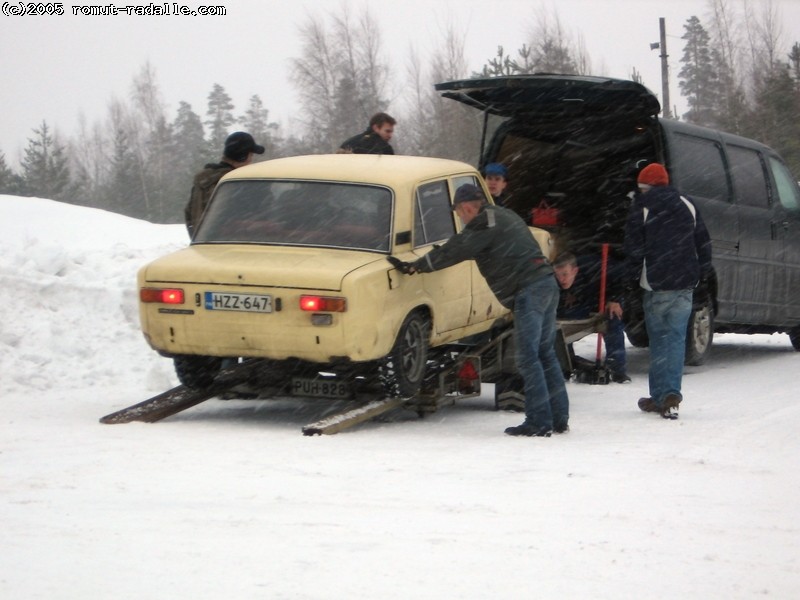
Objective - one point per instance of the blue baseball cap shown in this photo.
(496, 169)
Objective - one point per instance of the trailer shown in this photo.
(454, 373)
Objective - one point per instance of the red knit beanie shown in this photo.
(654, 174)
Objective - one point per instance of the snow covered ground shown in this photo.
(229, 500)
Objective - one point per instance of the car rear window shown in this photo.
(298, 213)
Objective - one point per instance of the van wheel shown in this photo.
(794, 337)
(402, 371)
(197, 372)
(699, 335)
(637, 334)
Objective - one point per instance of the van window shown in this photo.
(749, 178)
(433, 219)
(699, 167)
(788, 192)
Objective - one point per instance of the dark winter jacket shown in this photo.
(367, 142)
(667, 246)
(507, 254)
(203, 186)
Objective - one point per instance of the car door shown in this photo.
(450, 290)
(484, 305)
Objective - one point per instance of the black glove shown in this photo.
(404, 267)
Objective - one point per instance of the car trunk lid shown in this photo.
(258, 265)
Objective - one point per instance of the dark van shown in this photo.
(573, 146)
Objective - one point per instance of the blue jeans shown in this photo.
(546, 400)
(666, 315)
(614, 339)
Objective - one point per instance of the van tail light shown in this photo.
(161, 295)
(323, 304)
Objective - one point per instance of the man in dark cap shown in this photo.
(238, 152)
(375, 140)
(511, 261)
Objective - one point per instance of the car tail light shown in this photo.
(323, 304)
(160, 295)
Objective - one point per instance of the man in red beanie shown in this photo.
(668, 251)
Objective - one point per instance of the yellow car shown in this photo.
(289, 264)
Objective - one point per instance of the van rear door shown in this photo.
(543, 97)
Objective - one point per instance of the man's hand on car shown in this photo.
(404, 267)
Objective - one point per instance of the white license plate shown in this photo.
(320, 388)
(238, 302)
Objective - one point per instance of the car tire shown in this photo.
(794, 337)
(699, 335)
(401, 372)
(197, 372)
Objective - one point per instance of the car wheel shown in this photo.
(197, 372)
(699, 335)
(402, 371)
(794, 337)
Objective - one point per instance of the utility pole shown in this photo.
(664, 68)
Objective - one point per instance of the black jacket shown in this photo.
(367, 142)
(667, 245)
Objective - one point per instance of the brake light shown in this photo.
(162, 296)
(323, 304)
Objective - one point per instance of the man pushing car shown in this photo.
(522, 279)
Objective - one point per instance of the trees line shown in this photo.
(734, 76)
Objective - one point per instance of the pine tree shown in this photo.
(189, 152)
(219, 118)
(698, 79)
(794, 63)
(255, 121)
(44, 167)
(8, 182)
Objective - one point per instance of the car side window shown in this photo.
(433, 218)
(749, 178)
(699, 167)
(788, 191)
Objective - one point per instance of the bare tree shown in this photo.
(438, 126)
(341, 76)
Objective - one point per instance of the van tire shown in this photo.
(636, 332)
(699, 335)
(794, 337)
(403, 370)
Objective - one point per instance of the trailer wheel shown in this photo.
(402, 371)
(197, 372)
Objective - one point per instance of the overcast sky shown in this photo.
(56, 68)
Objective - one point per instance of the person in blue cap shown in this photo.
(496, 177)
